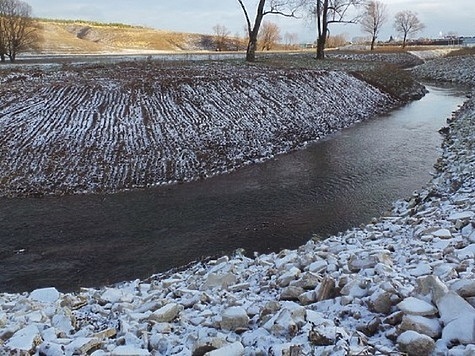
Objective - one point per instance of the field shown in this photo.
(103, 128)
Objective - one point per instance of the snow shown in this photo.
(106, 128)
(416, 306)
(358, 308)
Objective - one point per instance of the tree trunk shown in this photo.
(321, 47)
(254, 32)
(251, 50)
(322, 27)
(404, 41)
(373, 41)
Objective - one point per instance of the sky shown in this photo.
(200, 16)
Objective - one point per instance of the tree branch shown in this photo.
(249, 29)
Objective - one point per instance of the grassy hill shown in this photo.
(63, 36)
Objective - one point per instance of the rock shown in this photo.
(326, 289)
(460, 330)
(464, 287)
(289, 276)
(355, 288)
(415, 344)
(220, 280)
(45, 295)
(308, 298)
(270, 308)
(318, 266)
(432, 287)
(370, 328)
(356, 262)
(466, 252)
(112, 295)
(166, 313)
(394, 318)
(464, 215)
(442, 234)
(25, 339)
(380, 302)
(128, 350)
(202, 346)
(62, 323)
(427, 326)
(416, 306)
(291, 293)
(82, 345)
(51, 349)
(471, 237)
(319, 338)
(452, 306)
(234, 318)
(234, 349)
(287, 321)
(421, 269)
(106, 334)
(307, 281)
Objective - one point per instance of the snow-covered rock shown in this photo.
(452, 306)
(460, 330)
(234, 318)
(25, 339)
(416, 306)
(166, 313)
(45, 295)
(414, 343)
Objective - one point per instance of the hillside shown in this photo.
(59, 36)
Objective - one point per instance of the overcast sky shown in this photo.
(439, 16)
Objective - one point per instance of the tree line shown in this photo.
(18, 31)
(326, 13)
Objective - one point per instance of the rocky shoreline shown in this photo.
(403, 284)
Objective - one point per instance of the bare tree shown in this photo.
(291, 40)
(327, 12)
(407, 23)
(375, 15)
(269, 36)
(287, 8)
(221, 35)
(17, 30)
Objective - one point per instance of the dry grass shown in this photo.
(466, 51)
(383, 70)
(82, 37)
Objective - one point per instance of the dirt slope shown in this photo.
(106, 128)
(82, 37)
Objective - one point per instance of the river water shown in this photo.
(330, 186)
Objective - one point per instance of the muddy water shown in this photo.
(330, 186)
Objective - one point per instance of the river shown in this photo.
(330, 186)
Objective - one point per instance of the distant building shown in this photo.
(468, 41)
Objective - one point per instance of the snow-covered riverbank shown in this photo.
(95, 129)
(405, 283)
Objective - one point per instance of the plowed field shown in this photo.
(104, 128)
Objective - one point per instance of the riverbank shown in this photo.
(402, 283)
(108, 128)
